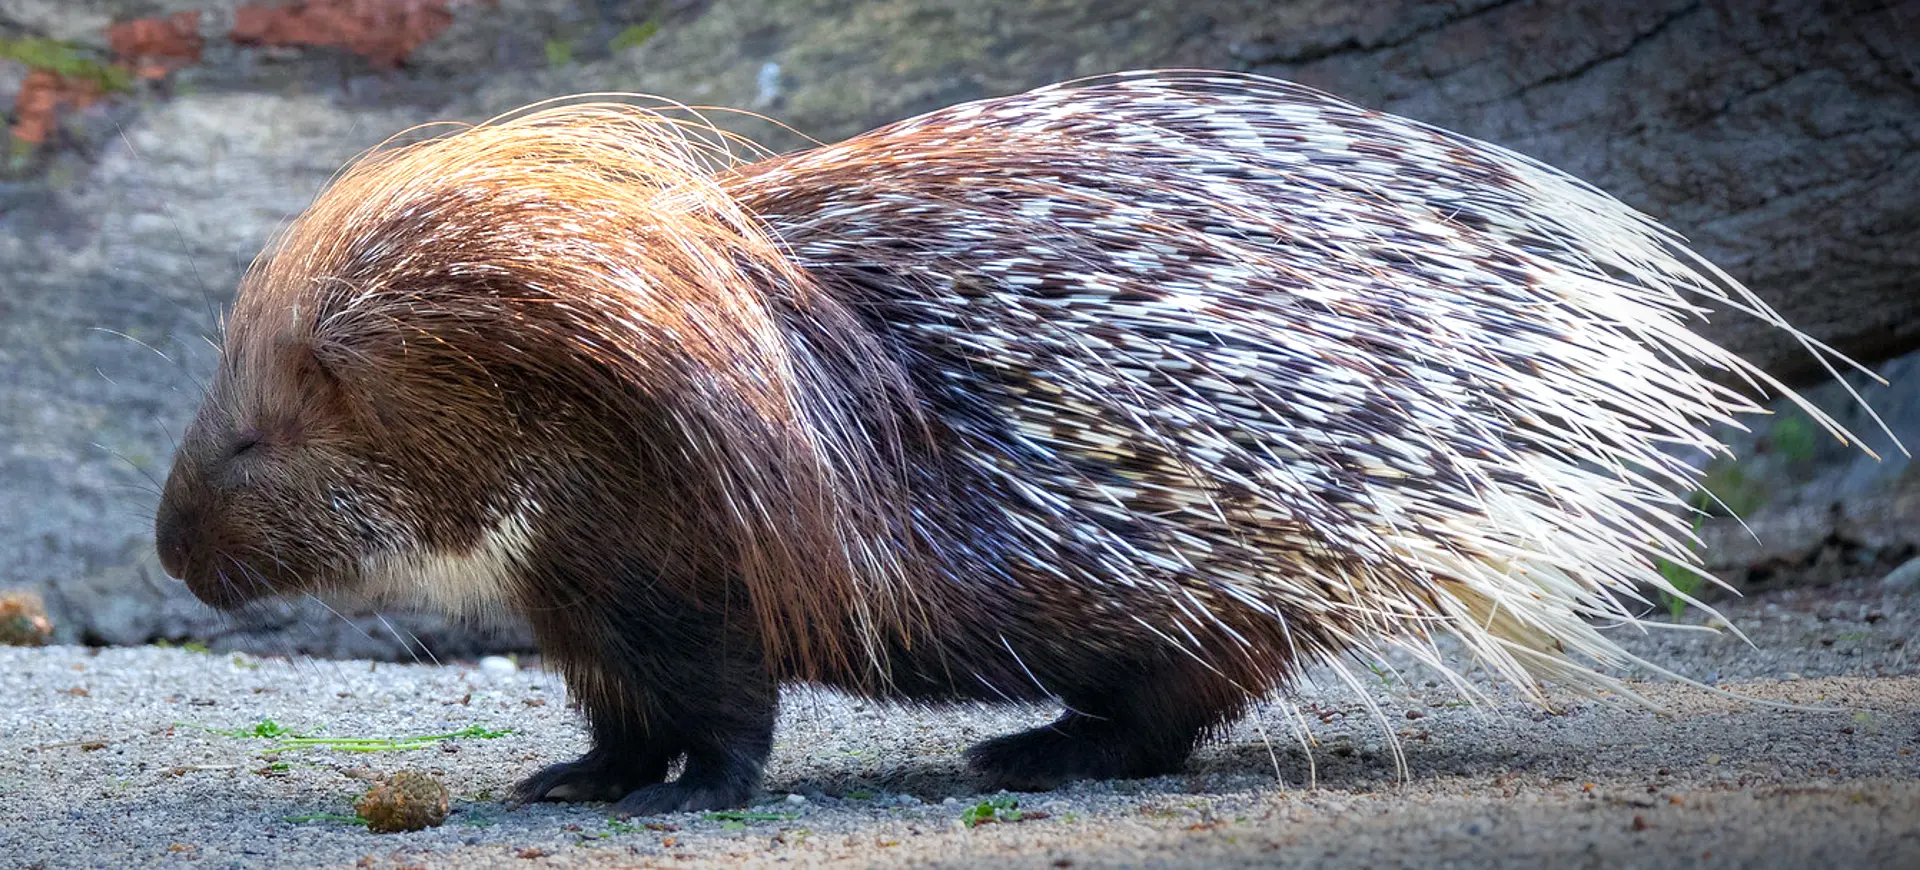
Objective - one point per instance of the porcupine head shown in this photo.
(440, 364)
(529, 371)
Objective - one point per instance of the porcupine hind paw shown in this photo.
(1142, 723)
(599, 775)
(1077, 746)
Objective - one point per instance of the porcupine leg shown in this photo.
(724, 756)
(659, 679)
(1143, 725)
(725, 738)
(727, 747)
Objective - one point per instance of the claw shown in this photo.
(589, 778)
(681, 796)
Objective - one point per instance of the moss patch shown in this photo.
(66, 59)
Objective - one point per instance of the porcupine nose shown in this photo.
(170, 538)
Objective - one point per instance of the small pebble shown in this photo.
(498, 667)
(1905, 578)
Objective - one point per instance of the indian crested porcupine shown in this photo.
(1136, 395)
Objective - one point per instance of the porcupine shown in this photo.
(1136, 395)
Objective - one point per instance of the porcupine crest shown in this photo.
(1249, 345)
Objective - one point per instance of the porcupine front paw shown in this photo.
(1074, 747)
(595, 776)
(681, 796)
(719, 779)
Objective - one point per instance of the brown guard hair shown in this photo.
(590, 245)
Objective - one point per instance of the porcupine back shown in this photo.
(1233, 346)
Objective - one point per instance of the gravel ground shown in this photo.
(113, 758)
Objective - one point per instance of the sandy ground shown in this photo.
(113, 758)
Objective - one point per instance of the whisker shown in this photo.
(179, 232)
(404, 645)
(343, 617)
(157, 485)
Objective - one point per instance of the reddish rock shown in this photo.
(382, 31)
(154, 47)
(23, 622)
(36, 109)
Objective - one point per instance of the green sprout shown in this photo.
(1682, 578)
(386, 744)
(999, 808)
(264, 728)
(288, 739)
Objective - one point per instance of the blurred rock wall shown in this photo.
(158, 143)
